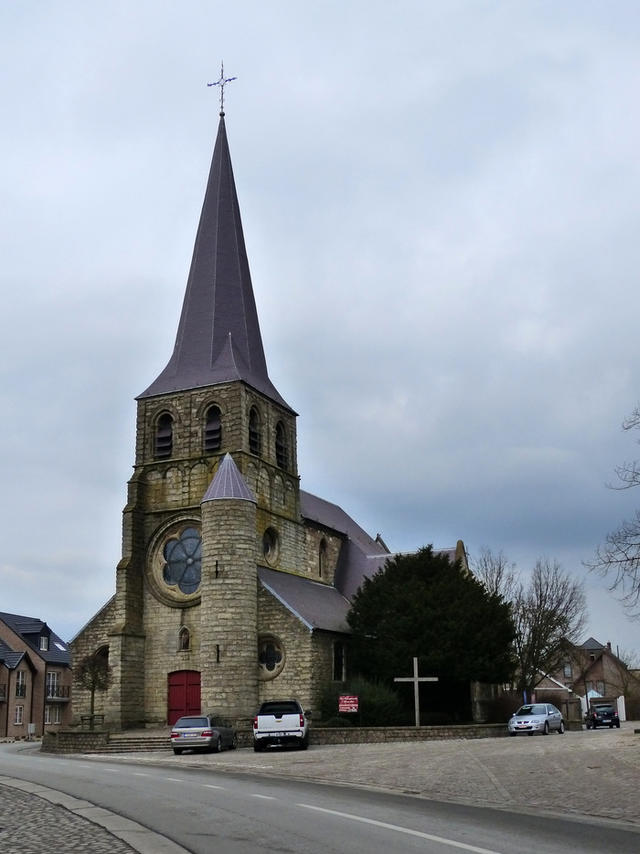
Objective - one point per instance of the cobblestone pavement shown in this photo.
(591, 773)
(31, 825)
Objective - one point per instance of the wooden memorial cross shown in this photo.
(416, 685)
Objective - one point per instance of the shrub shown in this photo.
(378, 705)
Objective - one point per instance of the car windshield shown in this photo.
(534, 709)
(184, 723)
(604, 710)
(278, 708)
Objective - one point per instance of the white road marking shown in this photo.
(140, 774)
(264, 797)
(172, 779)
(399, 829)
(210, 786)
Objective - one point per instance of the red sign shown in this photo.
(347, 703)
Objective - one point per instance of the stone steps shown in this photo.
(131, 744)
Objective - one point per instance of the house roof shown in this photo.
(30, 630)
(316, 605)
(218, 337)
(592, 644)
(9, 657)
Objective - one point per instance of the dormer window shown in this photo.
(255, 432)
(212, 430)
(281, 446)
(44, 643)
(164, 437)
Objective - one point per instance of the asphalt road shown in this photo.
(205, 809)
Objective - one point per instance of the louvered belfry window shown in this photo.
(255, 438)
(212, 430)
(164, 437)
(281, 446)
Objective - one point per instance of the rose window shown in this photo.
(270, 657)
(182, 556)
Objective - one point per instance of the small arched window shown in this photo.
(255, 432)
(184, 639)
(212, 430)
(281, 446)
(339, 661)
(164, 437)
(322, 557)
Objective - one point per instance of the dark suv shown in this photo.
(604, 715)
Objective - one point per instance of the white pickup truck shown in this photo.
(280, 722)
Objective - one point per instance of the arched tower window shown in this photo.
(322, 557)
(184, 639)
(164, 437)
(281, 446)
(212, 430)
(255, 432)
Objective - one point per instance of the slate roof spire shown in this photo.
(218, 337)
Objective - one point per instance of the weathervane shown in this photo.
(221, 83)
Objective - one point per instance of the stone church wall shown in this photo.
(93, 636)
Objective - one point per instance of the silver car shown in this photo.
(202, 732)
(536, 717)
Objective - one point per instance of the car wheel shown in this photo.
(234, 743)
(177, 751)
(304, 743)
(512, 734)
(257, 746)
(617, 724)
(545, 731)
(217, 747)
(561, 727)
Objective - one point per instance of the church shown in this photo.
(234, 583)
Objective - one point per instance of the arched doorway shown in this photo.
(183, 694)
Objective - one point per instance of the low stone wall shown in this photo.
(377, 735)
(74, 741)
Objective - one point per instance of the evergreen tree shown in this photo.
(423, 605)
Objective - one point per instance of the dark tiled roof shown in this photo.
(228, 483)
(593, 644)
(8, 657)
(218, 337)
(318, 606)
(30, 629)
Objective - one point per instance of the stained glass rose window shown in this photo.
(270, 657)
(182, 556)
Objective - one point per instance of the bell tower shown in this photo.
(213, 398)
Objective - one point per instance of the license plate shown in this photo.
(186, 735)
(278, 733)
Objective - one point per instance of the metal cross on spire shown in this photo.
(221, 82)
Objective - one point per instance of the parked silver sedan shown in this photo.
(202, 732)
(536, 717)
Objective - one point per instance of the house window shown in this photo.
(568, 672)
(322, 557)
(21, 684)
(164, 437)
(255, 434)
(44, 643)
(52, 714)
(184, 639)
(19, 715)
(339, 661)
(600, 688)
(47, 714)
(212, 430)
(52, 684)
(282, 456)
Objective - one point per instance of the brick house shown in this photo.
(234, 583)
(592, 670)
(35, 677)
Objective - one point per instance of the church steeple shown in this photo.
(218, 337)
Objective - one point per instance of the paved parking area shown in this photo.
(594, 773)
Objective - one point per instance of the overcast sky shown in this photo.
(441, 205)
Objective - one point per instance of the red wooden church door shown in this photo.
(183, 694)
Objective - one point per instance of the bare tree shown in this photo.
(499, 575)
(94, 674)
(619, 558)
(549, 614)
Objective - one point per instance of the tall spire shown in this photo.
(218, 337)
